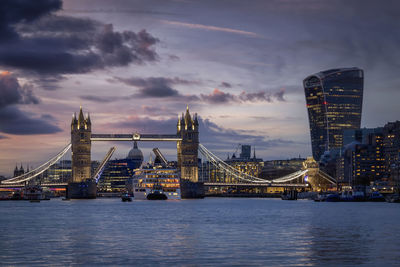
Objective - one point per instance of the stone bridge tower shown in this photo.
(81, 130)
(188, 130)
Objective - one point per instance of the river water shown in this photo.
(207, 232)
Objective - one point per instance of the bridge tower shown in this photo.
(81, 130)
(188, 130)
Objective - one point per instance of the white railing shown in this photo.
(220, 164)
(39, 170)
(102, 165)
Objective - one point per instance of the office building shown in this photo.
(391, 147)
(334, 103)
(119, 171)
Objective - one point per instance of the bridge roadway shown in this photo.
(257, 184)
(135, 137)
(205, 184)
(20, 185)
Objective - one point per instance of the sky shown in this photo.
(135, 65)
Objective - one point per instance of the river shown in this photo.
(206, 232)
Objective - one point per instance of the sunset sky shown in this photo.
(135, 65)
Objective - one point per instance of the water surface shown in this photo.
(212, 231)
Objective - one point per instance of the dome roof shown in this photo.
(135, 153)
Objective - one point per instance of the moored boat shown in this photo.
(33, 193)
(157, 193)
(376, 197)
(157, 181)
(394, 198)
(126, 197)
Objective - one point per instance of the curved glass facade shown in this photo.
(334, 103)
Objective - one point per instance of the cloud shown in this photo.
(49, 83)
(156, 86)
(159, 110)
(220, 97)
(12, 119)
(23, 11)
(254, 97)
(210, 28)
(280, 95)
(162, 87)
(56, 45)
(220, 138)
(213, 136)
(225, 85)
(101, 99)
(174, 58)
(12, 93)
(15, 121)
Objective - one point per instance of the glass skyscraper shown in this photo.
(334, 103)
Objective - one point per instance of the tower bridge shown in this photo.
(188, 148)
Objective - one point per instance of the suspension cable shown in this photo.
(39, 170)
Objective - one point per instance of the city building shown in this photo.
(20, 171)
(119, 171)
(244, 163)
(246, 152)
(391, 149)
(251, 166)
(61, 172)
(334, 103)
(363, 163)
(359, 135)
(273, 169)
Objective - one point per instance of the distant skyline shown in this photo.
(135, 65)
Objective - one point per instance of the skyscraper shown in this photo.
(334, 103)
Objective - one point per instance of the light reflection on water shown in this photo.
(213, 231)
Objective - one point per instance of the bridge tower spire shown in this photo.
(81, 131)
(187, 149)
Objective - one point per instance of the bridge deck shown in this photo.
(135, 137)
(20, 185)
(257, 184)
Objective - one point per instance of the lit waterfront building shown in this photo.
(334, 103)
(277, 168)
(251, 166)
(362, 163)
(119, 171)
(61, 172)
(245, 164)
(391, 147)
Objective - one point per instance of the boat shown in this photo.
(126, 198)
(34, 193)
(320, 197)
(332, 197)
(393, 198)
(327, 197)
(157, 193)
(156, 180)
(376, 197)
(352, 196)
